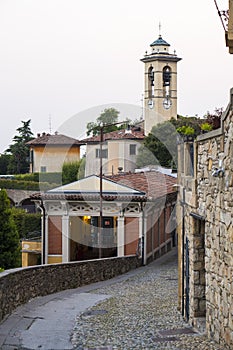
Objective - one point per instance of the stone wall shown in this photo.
(205, 232)
(215, 203)
(18, 286)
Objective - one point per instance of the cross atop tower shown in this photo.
(159, 28)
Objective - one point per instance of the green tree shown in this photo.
(70, 172)
(9, 237)
(81, 171)
(4, 163)
(108, 116)
(28, 224)
(19, 162)
(159, 147)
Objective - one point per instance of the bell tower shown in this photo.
(160, 84)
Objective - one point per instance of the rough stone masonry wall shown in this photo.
(18, 286)
(215, 202)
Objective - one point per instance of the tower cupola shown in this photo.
(160, 46)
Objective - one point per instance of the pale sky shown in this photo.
(61, 57)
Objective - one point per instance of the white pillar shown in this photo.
(46, 238)
(145, 237)
(120, 236)
(65, 239)
(44, 241)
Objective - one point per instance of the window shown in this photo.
(132, 150)
(43, 169)
(150, 82)
(104, 153)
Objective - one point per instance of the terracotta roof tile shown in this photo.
(57, 139)
(133, 134)
(154, 183)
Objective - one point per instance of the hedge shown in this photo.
(26, 185)
(28, 225)
(40, 177)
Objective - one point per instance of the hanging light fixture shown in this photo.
(224, 16)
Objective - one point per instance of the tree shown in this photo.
(159, 147)
(108, 116)
(9, 237)
(70, 172)
(28, 224)
(4, 163)
(214, 119)
(19, 162)
(81, 172)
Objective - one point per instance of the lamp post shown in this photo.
(101, 192)
(101, 182)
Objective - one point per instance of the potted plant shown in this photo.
(187, 132)
(206, 127)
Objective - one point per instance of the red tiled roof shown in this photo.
(154, 183)
(57, 139)
(132, 134)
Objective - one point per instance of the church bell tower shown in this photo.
(160, 86)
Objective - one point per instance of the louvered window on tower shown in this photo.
(166, 76)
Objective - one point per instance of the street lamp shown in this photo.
(101, 182)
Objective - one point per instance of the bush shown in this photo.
(26, 185)
(28, 225)
(206, 127)
(70, 172)
(41, 177)
(186, 130)
(10, 256)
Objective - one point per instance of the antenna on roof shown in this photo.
(50, 123)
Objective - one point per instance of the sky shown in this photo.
(63, 61)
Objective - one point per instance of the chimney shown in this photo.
(38, 135)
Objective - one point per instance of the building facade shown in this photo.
(48, 152)
(132, 214)
(119, 151)
(205, 230)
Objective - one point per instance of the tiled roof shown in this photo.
(57, 139)
(160, 41)
(153, 183)
(132, 134)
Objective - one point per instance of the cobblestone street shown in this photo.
(141, 313)
(137, 310)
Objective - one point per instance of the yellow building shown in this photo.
(48, 152)
(31, 252)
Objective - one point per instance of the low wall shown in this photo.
(18, 286)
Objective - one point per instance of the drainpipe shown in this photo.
(143, 227)
(43, 231)
(183, 249)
